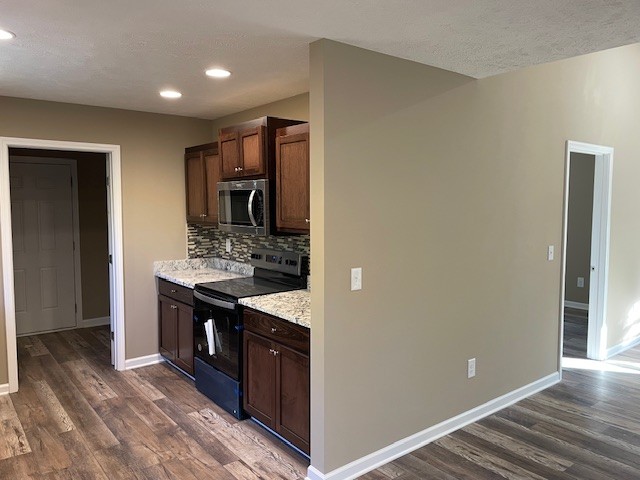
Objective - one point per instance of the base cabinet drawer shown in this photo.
(276, 385)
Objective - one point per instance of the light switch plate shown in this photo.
(356, 278)
(550, 252)
(471, 368)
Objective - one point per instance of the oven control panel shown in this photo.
(279, 261)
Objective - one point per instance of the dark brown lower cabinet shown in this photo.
(176, 325)
(276, 376)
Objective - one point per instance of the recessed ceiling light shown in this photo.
(170, 94)
(6, 35)
(218, 73)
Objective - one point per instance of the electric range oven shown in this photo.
(217, 322)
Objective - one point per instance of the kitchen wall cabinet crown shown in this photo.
(175, 311)
(292, 179)
(202, 173)
(247, 150)
(277, 377)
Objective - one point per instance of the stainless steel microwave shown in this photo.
(243, 206)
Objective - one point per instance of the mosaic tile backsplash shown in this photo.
(204, 241)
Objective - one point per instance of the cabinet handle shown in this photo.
(274, 329)
(239, 169)
(174, 306)
(174, 291)
(203, 215)
(307, 220)
(273, 352)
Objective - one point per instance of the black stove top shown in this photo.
(274, 272)
(245, 287)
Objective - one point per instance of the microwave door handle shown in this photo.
(250, 208)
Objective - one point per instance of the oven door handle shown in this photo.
(214, 301)
(252, 197)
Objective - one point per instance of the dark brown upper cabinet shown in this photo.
(202, 173)
(247, 150)
(292, 179)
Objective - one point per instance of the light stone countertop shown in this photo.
(293, 306)
(200, 270)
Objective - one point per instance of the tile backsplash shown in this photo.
(205, 241)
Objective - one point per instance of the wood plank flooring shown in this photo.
(575, 333)
(586, 428)
(74, 417)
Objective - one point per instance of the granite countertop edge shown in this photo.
(293, 306)
(191, 271)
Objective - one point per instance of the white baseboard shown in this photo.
(621, 347)
(406, 445)
(143, 361)
(4, 389)
(94, 322)
(577, 305)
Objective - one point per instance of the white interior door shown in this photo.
(43, 257)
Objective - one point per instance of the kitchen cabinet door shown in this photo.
(212, 174)
(229, 155)
(292, 179)
(184, 341)
(175, 312)
(259, 396)
(168, 327)
(277, 376)
(195, 186)
(202, 174)
(252, 151)
(293, 394)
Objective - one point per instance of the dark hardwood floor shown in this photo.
(585, 428)
(575, 333)
(74, 417)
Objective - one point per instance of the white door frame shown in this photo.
(73, 164)
(115, 238)
(600, 234)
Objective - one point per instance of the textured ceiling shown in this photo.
(120, 53)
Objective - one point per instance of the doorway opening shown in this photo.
(60, 248)
(62, 265)
(586, 251)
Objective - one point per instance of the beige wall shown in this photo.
(447, 192)
(152, 149)
(579, 227)
(296, 108)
